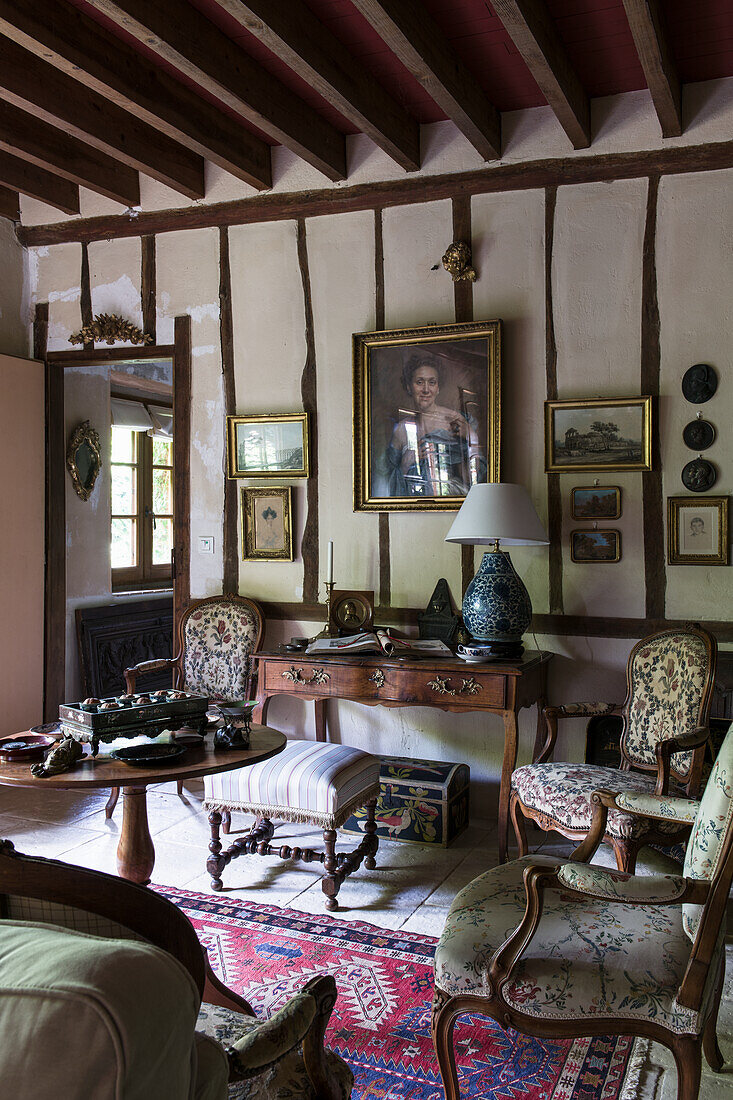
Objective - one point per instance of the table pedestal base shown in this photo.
(135, 852)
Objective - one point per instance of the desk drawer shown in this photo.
(469, 687)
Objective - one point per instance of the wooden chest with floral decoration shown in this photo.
(420, 801)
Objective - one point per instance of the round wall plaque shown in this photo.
(699, 435)
(699, 383)
(699, 475)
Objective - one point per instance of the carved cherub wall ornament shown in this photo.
(457, 261)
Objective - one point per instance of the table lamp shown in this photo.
(497, 608)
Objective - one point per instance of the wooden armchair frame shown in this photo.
(627, 848)
(161, 923)
(686, 1049)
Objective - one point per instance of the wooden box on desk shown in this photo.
(420, 801)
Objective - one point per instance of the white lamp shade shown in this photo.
(498, 511)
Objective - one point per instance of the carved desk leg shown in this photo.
(510, 759)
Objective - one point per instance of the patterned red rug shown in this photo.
(381, 1023)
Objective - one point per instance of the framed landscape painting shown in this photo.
(595, 546)
(427, 415)
(595, 502)
(269, 445)
(600, 434)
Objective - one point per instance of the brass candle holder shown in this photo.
(328, 631)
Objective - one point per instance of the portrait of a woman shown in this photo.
(434, 449)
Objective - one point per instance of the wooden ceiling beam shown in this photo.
(37, 183)
(9, 204)
(291, 31)
(531, 29)
(647, 29)
(47, 147)
(415, 38)
(195, 47)
(86, 51)
(50, 95)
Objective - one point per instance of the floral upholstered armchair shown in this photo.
(669, 680)
(216, 639)
(105, 990)
(562, 949)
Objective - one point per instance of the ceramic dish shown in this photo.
(148, 756)
(475, 658)
(25, 746)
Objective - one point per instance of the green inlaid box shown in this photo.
(420, 801)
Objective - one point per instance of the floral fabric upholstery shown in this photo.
(562, 792)
(667, 674)
(663, 808)
(706, 845)
(589, 958)
(615, 885)
(285, 1079)
(218, 639)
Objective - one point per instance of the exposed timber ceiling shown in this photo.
(94, 92)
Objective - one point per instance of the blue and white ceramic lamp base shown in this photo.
(496, 608)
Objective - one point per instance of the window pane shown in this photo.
(162, 541)
(124, 548)
(162, 452)
(162, 492)
(123, 444)
(124, 484)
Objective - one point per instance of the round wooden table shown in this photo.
(135, 851)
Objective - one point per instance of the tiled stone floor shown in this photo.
(412, 888)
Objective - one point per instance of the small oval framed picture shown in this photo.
(697, 530)
(589, 545)
(595, 502)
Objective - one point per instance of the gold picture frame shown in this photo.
(697, 530)
(268, 445)
(427, 415)
(589, 502)
(589, 545)
(84, 459)
(580, 435)
(267, 527)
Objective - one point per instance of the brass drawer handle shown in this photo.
(377, 677)
(297, 677)
(441, 685)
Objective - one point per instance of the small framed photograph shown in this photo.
(268, 446)
(267, 529)
(697, 530)
(595, 502)
(587, 545)
(603, 434)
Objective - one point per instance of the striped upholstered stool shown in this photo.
(310, 782)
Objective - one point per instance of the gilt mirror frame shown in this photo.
(84, 436)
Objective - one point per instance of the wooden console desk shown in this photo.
(448, 683)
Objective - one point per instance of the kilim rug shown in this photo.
(381, 1023)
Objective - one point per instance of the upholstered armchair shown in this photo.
(106, 991)
(216, 639)
(557, 948)
(669, 679)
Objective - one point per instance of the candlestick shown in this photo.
(328, 630)
(329, 563)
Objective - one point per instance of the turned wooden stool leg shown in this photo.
(226, 819)
(331, 880)
(370, 829)
(215, 864)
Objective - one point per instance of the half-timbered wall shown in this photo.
(609, 282)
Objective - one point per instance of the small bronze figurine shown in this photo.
(457, 261)
(61, 758)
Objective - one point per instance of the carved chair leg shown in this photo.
(443, 1022)
(331, 880)
(215, 864)
(711, 1049)
(226, 821)
(520, 831)
(370, 830)
(109, 809)
(688, 1057)
(325, 1085)
(626, 853)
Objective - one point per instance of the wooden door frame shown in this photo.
(179, 352)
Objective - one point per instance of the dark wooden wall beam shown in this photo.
(9, 204)
(554, 493)
(655, 573)
(310, 546)
(415, 38)
(231, 487)
(109, 66)
(148, 286)
(85, 293)
(181, 468)
(384, 534)
(291, 31)
(647, 28)
(35, 86)
(21, 176)
(463, 309)
(533, 32)
(50, 148)
(531, 175)
(182, 37)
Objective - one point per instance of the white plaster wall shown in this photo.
(695, 274)
(114, 278)
(13, 335)
(55, 277)
(188, 283)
